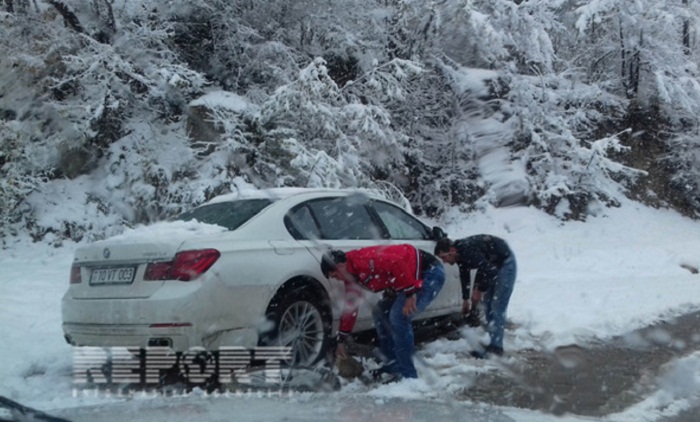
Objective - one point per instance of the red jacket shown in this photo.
(377, 268)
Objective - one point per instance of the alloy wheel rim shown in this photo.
(301, 328)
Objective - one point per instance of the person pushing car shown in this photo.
(411, 278)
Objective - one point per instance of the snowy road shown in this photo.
(303, 408)
(596, 380)
(577, 383)
(578, 283)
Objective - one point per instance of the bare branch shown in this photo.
(107, 24)
(69, 18)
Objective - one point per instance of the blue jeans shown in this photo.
(395, 331)
(496, 299)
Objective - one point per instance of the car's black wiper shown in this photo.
(22, 413)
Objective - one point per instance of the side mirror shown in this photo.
(438, 233)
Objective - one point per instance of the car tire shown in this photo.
(300, 320)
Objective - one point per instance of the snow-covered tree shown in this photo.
(150, 107)
(643, 50)
(315, 113)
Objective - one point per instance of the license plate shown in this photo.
(116, 275)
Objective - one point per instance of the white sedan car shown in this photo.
(241, 270)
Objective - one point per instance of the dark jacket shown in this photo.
(485, 254)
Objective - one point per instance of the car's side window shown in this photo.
(342, 218)
(301, 224)
(399, 223)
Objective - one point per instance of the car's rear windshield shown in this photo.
(230, 214)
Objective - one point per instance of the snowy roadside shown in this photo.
(577, 282)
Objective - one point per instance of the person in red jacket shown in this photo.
(411, 278)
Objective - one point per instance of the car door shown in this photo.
(344, 223)
(402, 227)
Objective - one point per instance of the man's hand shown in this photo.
(410, 307)
(466, 306)
(476, 297)
(472, 302)
(340, 351)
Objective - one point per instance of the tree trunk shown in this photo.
(630, 62)
(623, 59)
(69, 18)
(635, 64)
(108, 26)
(686, 32)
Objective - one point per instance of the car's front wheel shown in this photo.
(300, 321)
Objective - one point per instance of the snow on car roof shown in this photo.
(280, 193)
(248, 191)
(171, 232)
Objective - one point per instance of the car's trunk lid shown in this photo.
(115, 268)
(117, 271)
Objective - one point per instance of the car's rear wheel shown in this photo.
(299, 321)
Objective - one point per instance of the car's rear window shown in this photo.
(230, 214)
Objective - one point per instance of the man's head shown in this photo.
(333, 264)
(446, 251)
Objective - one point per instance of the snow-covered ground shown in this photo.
(576, 282)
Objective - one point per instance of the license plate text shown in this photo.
(117, 275)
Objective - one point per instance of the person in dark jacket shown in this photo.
(410, 279)
(487, 272)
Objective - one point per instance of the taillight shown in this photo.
(189, 265)
(158, 270)
(186, 266)
(75, 277)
